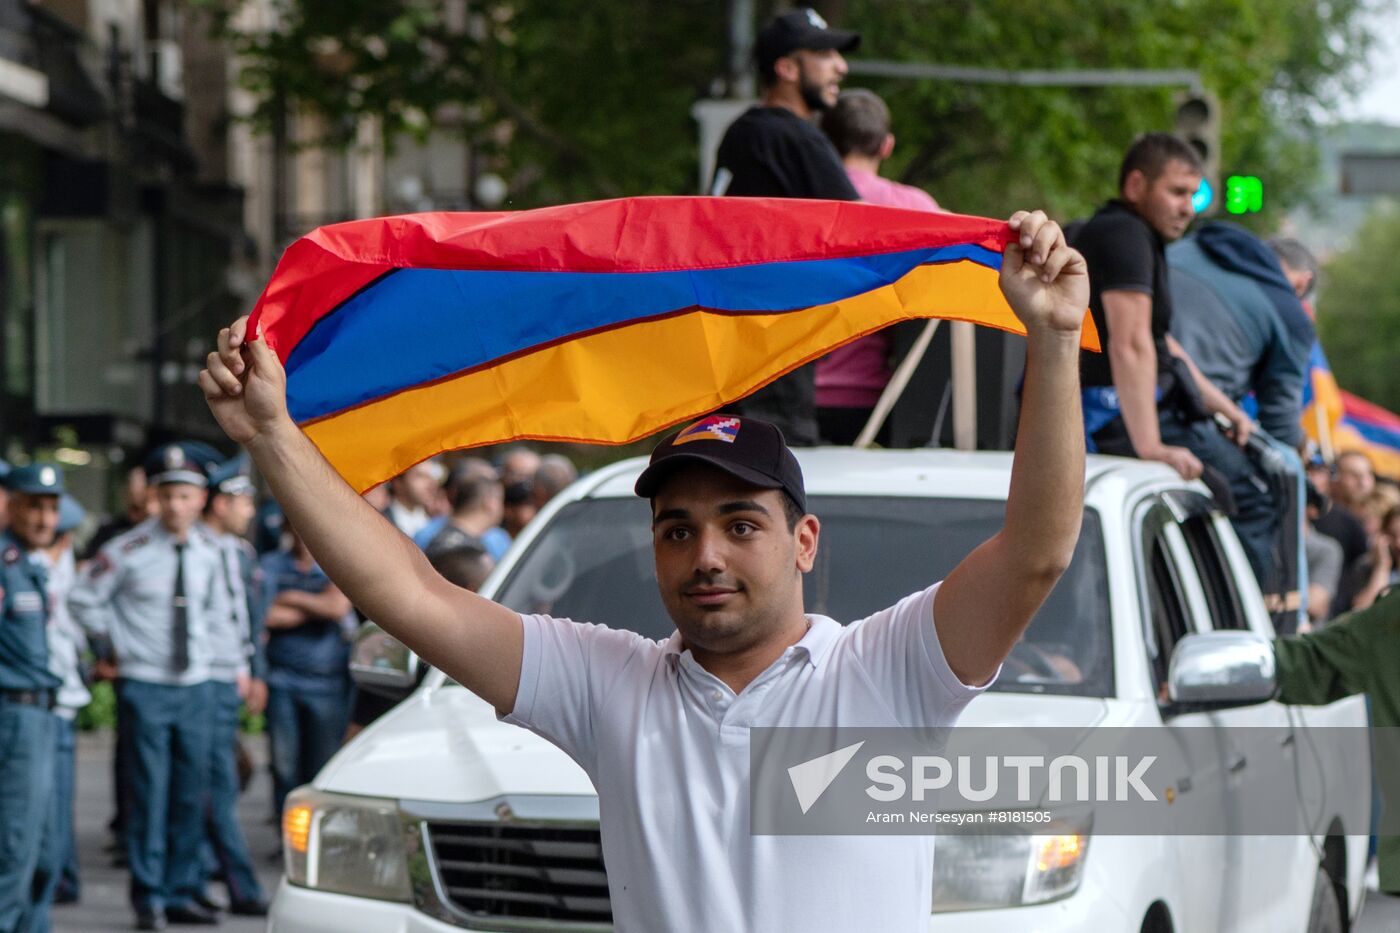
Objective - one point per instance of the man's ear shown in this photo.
(808, 532)
(887, 147)
(1134, 186)
(788, 69)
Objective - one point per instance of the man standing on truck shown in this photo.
(662, 727)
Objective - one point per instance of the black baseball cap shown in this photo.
(802, 28)
(748, 448)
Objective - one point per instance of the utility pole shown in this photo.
(714, 114)
(739, 80)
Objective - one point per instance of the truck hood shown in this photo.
(446, 745)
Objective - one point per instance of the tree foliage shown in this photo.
(1358, 310)
(990, 149)
(590, 98)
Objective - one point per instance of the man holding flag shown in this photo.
(731, 542)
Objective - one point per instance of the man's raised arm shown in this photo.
(985, 604)
(472, 639)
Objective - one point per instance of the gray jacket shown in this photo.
(1235, 334)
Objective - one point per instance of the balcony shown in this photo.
(45, 47)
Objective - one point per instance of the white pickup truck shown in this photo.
(438, 817)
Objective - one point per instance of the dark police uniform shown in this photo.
(28, 727)
(157, 599)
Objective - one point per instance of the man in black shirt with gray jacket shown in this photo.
(775, 150)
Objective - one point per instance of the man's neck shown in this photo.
(858, 162)
(787, 97)
(738, 670)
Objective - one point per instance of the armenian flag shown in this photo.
(603, 322)
(1374, 430)
(1340, 422)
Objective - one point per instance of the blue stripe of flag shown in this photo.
(415, 326)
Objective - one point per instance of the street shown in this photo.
(104, 905)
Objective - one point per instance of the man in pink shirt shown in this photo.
(851, 378)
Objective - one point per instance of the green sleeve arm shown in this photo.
(1338, 661)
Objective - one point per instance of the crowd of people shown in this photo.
(1206, 331)
(173, 604)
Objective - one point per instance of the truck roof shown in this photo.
(919, 472)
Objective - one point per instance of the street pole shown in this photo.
(739, 83)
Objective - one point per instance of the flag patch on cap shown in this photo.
(713, 428)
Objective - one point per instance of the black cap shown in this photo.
(748, 448)
(800, 29)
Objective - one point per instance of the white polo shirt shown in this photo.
(666, 744)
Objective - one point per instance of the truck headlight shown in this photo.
(972, 872)
(345, 845)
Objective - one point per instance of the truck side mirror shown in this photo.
(1218, 670)
(382, 664)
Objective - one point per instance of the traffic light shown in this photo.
(1244, 194)
(1198, 122)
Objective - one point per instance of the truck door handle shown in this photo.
(1237, 764)
(1287, 740)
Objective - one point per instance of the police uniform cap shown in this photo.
(181, 462)
(36, 479)
(231, 478)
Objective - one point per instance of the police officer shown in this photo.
(28, 727)
(237, 675)
(154, 593)
(57, 856)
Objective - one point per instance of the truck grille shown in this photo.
(521, 871)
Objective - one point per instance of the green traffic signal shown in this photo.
(1244, 194)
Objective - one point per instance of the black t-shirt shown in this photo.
(771, 152)
(449, 538)
(1346, 529)
(1125, 254)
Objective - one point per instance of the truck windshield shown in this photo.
(594, 564)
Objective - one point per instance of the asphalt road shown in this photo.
(104, 905)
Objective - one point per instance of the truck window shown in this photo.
(1168, 608)
(1222, 595)
(594, 563)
